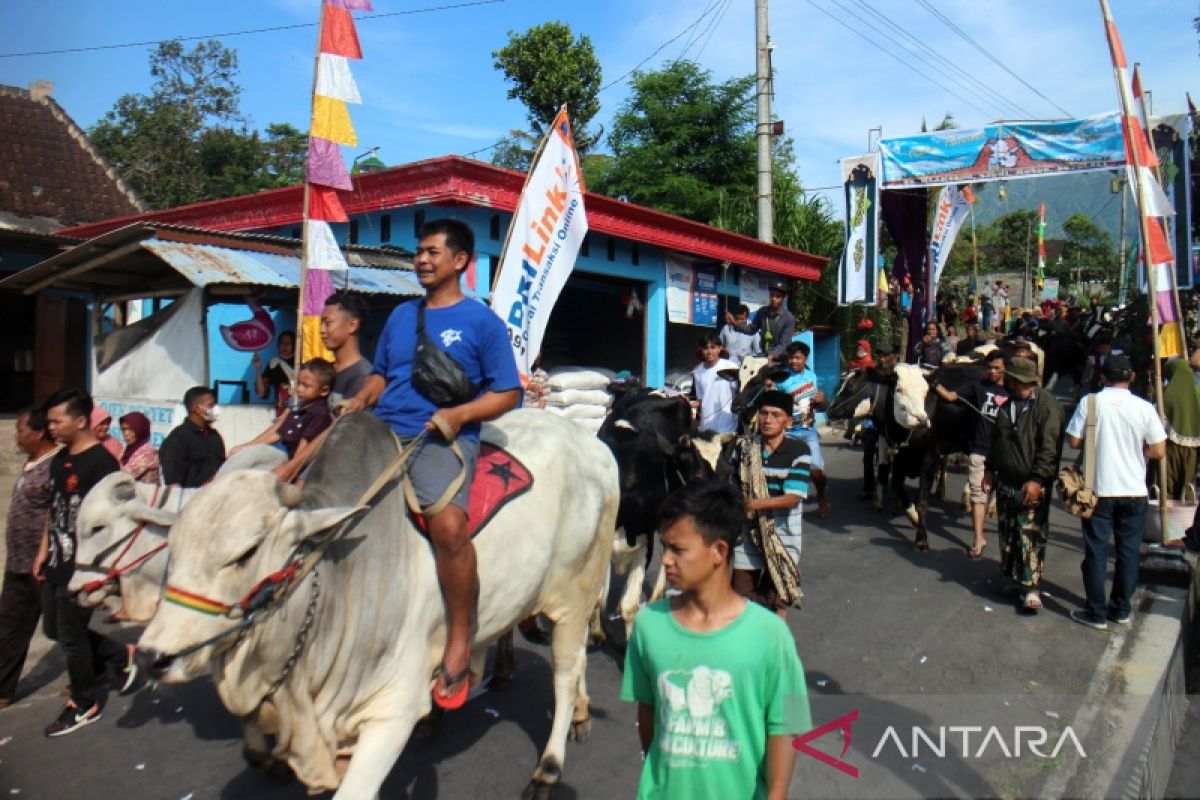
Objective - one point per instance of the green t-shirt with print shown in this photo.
(717, 696)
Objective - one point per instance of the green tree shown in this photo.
(548, 66)
(187, 140)
(682, 143)
(1089, 252)
(1011, 241)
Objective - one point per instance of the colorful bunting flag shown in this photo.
(338, 37)
(334, 79)
(351, 5)
(324, 204)
(1041, 268)
(321, 249)
(331, 120)
(325, 165)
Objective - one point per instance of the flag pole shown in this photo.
(1118, 58)
(528, 173)
(299, 338)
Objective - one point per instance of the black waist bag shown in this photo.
(436, 374)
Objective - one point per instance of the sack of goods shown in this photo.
(580, 394)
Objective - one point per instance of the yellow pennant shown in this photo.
(331, 120)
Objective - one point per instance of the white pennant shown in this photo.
(334, 79)
(321, 249)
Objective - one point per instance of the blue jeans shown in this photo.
(1124, 519)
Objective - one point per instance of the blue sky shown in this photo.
(429, 87)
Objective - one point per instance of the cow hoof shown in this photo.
(580, 730)
(279, 770)
(257, 758)
(911, 513)
(538, 791)
(922, 545)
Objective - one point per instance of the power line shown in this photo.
(887, 52)
(970, 40)
(947, 62)
(657, 50)
(720, 19)
(695, 37)
(229, 34)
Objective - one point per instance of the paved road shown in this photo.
(906, 638)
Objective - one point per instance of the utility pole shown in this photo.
(766, 212)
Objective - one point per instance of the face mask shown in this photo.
(212, 414)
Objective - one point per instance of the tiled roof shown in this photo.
(49, 171)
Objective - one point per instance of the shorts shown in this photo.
(813, 439)
(976, 466)
(434, 466)
(746, 554)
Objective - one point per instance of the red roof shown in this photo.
(453, 180)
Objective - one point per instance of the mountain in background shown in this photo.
(1089, 194)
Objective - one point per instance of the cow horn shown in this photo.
(290, 494)
(626, 425)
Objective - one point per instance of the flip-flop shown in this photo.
(455, 701)
(973, 552)
(1032, 602)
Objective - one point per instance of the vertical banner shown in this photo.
(543, 242)
(951, 212)
(1170, 135)
(856, 273)
(754, 289)
(704, 296)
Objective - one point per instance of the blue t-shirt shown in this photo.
(802, 386)
(468, 331)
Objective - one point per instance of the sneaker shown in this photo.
(127, 675)
(1121, 620)
(72, 719)
(1084, 618)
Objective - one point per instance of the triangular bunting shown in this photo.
(351, 5)
(325, 165)
(320, 248)
(334, 79)
(338, 37)
(331, 120)
(324, 205)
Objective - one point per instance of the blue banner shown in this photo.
(1003, 151)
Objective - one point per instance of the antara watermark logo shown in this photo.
(944, 741)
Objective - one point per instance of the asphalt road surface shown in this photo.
(894, 638)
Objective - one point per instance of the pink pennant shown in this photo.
(325, 165)
(351, 5)
(318, 285)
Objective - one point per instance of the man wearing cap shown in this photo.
(883, 378)
(1021, 465)
(1128, 432)
(785, 466)
(774, 324)
(1102, 347)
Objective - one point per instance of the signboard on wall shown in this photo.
(691, 292)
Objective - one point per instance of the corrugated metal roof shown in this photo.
(208, 265)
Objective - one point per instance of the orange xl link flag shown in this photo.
(1152, 202)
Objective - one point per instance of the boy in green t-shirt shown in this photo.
(719, 687)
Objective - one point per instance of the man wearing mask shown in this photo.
(192, 453)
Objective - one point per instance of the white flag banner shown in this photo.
(334, 79)
(857, 271)
(321, 250)
(952, 210)
(547, 231)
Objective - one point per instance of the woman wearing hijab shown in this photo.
(101, 423)
(1181, 401)
(862, 356)
(140, 459)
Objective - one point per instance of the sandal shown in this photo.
(1033, 602)
(976, 552)
(456, 699)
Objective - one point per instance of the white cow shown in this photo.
(123, 524)
(361, 663)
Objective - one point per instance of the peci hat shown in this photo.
(1117, 368)
(1022, 370)
(777, 399)
(778, 287)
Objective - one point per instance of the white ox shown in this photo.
(376, 631)
(124, 524)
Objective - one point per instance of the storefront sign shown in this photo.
(691, 292)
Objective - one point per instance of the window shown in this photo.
(612, 249)
(418, 223)
(385, 228)
(635, 254)
(494, 227)
(296, 233)
(353, 231)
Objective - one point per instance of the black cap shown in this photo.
(887, 348)
(1117, 368)
(777, 399)
(779, 286)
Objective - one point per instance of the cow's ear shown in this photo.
(301, 524)
(155, 516)
(122, 489)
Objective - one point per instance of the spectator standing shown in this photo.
(950, 345)
(707, 641)
(737, 343)
(139, 459)
(1181, 401)
(342, 320)
(1021, 464)
(882, 378)
(928, 351)
(986, 398)
(969, 342)
(985, 311)
(192, 453)
(101, 426)
(1128, 432)
(21, 597)
(74, 470)
(807, 398)
(279, 375)
(862, 357)
(714, 393)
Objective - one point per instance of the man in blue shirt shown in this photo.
(478, 340)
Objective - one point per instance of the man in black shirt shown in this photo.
(882, 378)
(342, 320)
(986, 397)
(74, 470)
(193, 452)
